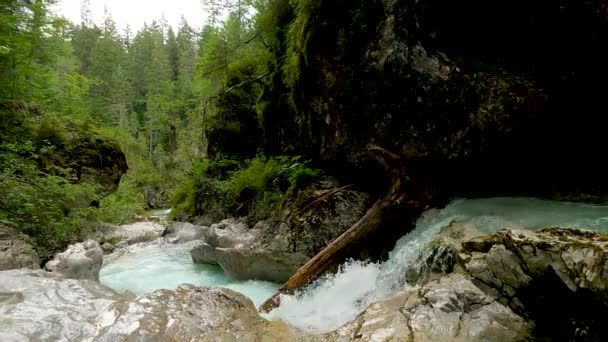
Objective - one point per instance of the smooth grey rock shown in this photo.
(137, 232)
(244, 263)
(242, 256)
(178, 232)
(203, 254)
(42, 306)
(229, 233)
(15, 252)
(79, 261)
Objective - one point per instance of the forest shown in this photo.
(356, 170)
(167, 98)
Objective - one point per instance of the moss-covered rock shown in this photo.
(85, 155)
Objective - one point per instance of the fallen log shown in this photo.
(404, 198)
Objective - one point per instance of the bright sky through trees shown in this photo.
(136, 12)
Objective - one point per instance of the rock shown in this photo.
(37, 305)
(439, 257)
(107, 247)
(15, 252)
(312, 228)
(229, 233)
(449, 309)
(242, 256)
(79, 261)
(203, 254)
(243, 263)
(137, 232)
(183, 232)
(556, 277)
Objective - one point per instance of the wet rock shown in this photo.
(178, 232)
(37, 305)
(247, 263)
(555, 277)
(137, 232)
(241, 254)
(15, 252)
(203, 254)
(449, 309)
(79, 261)
(440, 256)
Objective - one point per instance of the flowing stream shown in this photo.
(159, 265)
(337, 299)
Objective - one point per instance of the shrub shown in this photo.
(256, 189)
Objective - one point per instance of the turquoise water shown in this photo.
(165, 266)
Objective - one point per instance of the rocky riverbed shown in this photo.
(450, 280)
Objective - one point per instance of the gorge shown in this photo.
(349, 170)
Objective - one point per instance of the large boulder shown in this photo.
(275, 248)
(449, 309)
(136, 232)
(79, 261)
(15, 252)
(244, 263)
(556, 277)
(243, 255)
(177, 232)
(203, 253)
(37, 305)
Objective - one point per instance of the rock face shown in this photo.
(203, 253)
(178, 232)
(242, 255)
(273, 250)
(556, 277)
(449, 309)
(15, 252)
(79, 261)
(444, 83)
(252, 263)
(37, 305)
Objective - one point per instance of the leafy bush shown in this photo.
(257, 188)
(45, 207)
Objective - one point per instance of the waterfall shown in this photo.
(334, 300)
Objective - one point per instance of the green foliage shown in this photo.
(44, 206)
(298, 36)
(122, 206)
(256, 189)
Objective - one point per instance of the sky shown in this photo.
(136, 12)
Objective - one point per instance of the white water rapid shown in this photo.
(335, 300)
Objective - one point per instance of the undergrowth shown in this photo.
(254, 188)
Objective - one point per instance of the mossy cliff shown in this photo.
(483, 98)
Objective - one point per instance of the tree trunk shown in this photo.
(402, 199)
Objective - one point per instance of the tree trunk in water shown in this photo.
(410, 202)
